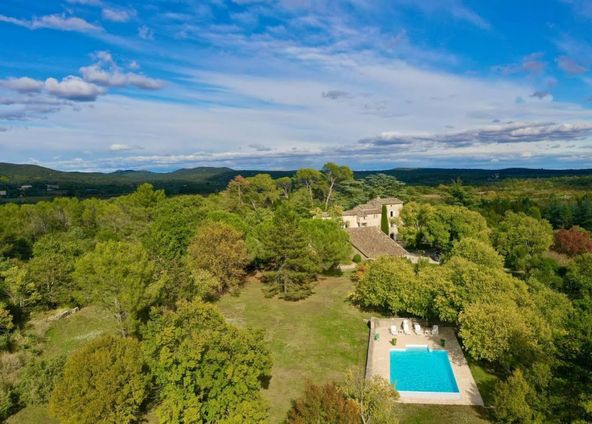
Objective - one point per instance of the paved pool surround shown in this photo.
(379, 362)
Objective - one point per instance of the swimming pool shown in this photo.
(420, 369)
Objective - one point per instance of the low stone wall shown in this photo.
(370, 355)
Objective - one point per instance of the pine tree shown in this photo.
(292, 260)
(384, 222)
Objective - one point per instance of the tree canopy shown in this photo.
(103, 382)
(207, 370)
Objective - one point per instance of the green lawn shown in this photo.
(441, 414)
(485, 381)
(30, 415)
(66, 335)
(319, 338)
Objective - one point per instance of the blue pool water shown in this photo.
(422, 370)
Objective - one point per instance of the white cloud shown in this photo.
(56, 21)
(69, 88)
(118, 15)
(23, 84)
(105, 72)
(145, 33)
(72, 88)
(120, 147)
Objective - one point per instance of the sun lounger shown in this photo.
(406, 329)
(435, 331)
(394, 330)
(417, 328)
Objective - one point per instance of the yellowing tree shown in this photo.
(103, 383)
(220, 249)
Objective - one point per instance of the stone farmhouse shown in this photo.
(370, 214)
(363, 224)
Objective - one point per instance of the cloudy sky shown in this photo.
(280, 84)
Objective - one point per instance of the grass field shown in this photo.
(63, 337)
(319, 338)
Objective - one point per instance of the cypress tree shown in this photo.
(384, 222)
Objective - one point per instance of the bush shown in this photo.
(511, 401)
(323, 404)
(7, 401)
(357, 258)
(572, 242)
(38, 379)
(103, 382)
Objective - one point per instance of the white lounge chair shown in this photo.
(406, 329)
(394, 330)
(435, 331)
(417, 328)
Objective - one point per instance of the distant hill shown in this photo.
(46, 183)
(435, 176)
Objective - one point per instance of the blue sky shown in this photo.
(281, 84)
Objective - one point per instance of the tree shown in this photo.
(103, 382)
(384, 221)
(382, 185)
(145, 196)
(329, 241)
(291, 259)
(311, 180)
(334, 174)
(323, 404)
(572, 242)
(511, 401)
(52, 265)
(439, 226)
(461, 195)
(261, 191)
(174, 224)
(390, 284)
(519, 237)
(6, 326)
(19, 288)
(376, 398)
(38, 378)
(121, 277)
(478, 252)
(504, 333)
(207, 370)
(237, 187)
(461, 283)
(578, 279)
(284, 184)
(220, 249)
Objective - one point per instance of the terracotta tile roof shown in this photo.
(374, 206)
(372, 242)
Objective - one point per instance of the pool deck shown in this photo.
(379, 361)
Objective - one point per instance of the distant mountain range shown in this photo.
(45, 182)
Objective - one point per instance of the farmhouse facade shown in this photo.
(370, 214)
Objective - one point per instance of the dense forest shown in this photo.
(29, 183)
(513, 276)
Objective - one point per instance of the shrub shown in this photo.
(572, 242)
(357, 258)
(103, 382)
(510, 404)
(38, 379)
(323, 404)
(7, 401)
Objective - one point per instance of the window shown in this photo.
(391, 214)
